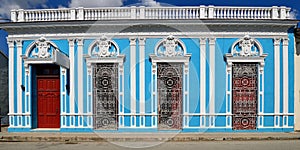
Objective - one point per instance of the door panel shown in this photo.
(48, 102)
(244, 96)
(169, 86)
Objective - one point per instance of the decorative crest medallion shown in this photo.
(104, 48)
(170, 47)
(43, 47)
(246, 47)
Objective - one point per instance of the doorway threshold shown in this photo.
(46, 130)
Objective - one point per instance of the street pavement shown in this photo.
(200, 145)
(158, 137)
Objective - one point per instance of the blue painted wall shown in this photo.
(222, 47)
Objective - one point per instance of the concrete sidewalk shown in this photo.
(132, 137)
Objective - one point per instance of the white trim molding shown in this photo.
(285, 59)
(41, 51)
(245, 50)
(11, 46)
(203, 58)
(72, 75)
(104, 50)
(133, 81)
(277, 92)
(80, 75)
(170, 50)
(19, 76)
(212, 46)
(142, 80)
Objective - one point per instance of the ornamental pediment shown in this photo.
(103, 47)
(170, 47)
(41, 49)
(246, 47)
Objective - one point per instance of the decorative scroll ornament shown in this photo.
(170, 47)
(43, 47)
(104, 48)
(246, 47)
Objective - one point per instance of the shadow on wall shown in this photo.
(297, 37)
(4, 88)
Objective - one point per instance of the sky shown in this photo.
(7, 5)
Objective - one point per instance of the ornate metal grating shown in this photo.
(244, 95)
(169, 86)
(105, 78)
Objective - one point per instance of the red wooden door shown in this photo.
(48, 102)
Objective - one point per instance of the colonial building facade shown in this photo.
(130, 69)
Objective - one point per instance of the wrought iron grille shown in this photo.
(105, 79)
(244, 95)
(169, 86)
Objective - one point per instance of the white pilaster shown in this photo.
(212, 80)
(202, 80)
(285, 81)
(80, 73)
(142, 80)
(27, 89)
(19, 75)
(133, 80)
(276, 80)
(72, 73)
(142, 74)
(11, 46)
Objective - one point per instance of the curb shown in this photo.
(134, 139)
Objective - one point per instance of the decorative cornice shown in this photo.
(145, 26)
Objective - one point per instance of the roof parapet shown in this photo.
(142, 12)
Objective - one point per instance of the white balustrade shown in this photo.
(142, 12)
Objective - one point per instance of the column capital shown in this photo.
(10, 42)
(285, 41)
(203, 41)
(142, 40)
(71, 41)
(212, 40)
(19, 42)
(80, 41)
(276, 41)
(132, 40)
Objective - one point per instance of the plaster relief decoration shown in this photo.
(170, 47)
(170, 71)
(44, 51)
(245, 71)
(105, 72)
(104, 48)
(43, 48)
(245, 47)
